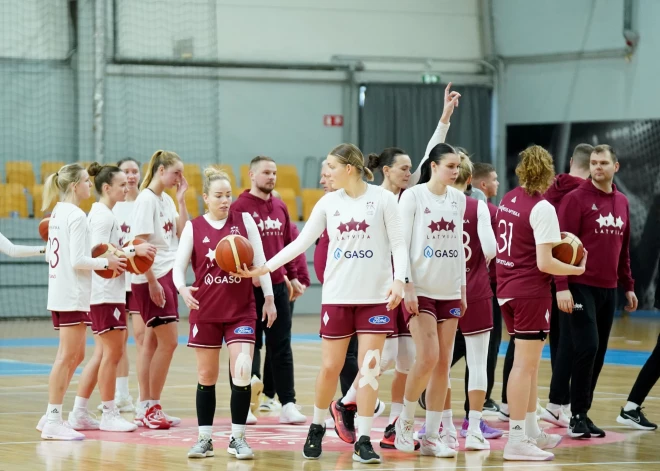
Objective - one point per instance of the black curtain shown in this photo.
(405, 115)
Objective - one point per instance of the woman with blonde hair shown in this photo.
(156, 220)
(70, 268)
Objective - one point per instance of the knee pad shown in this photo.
(390, 352)
(405, 356)
(476, 347)
(370, 374)
(243, 367)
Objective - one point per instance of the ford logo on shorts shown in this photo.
(379, 320)
(456, 312)
(244, 329)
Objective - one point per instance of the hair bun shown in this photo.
(94, 169)
(373, 161)
(214, 171)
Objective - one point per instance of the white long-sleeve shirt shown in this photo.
(485, 231)
(7, 248)
(124, 212)
(433, 231)
(438, 137)
(185, 250)
(362, 233)
(69, 259)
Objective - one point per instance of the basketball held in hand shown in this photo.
(137, 265)
(43, 228)
(569, 250)
(233, 251)
(104, 251)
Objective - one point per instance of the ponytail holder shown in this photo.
(57, 174)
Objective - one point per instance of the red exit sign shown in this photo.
(333, 120)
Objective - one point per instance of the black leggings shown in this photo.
(648, 376)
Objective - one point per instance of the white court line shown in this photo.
(525, 465)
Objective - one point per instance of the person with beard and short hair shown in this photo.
(272, 218)
(599, 215)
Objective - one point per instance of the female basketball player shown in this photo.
(364, 231)
(107, 309)
(69, 286)
(432, 215)
(11, 250)
(527, 228)
(155, 219)
(222, 306)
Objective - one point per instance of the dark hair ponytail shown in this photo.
(102, 174)
(385, 159)
(436, 155)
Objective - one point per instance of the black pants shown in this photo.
(278, 343)
(269, 383)
(648, 376)
(586, 332)
(350, 369)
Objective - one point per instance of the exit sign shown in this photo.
(333, 120)
(430, 78)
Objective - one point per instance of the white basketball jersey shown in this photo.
(123, 210)
(156, 216)
(433, 229)
(69, 259)
(104, 228)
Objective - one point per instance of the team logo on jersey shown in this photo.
(456, 311)
(168, 226)
(255, 215)
(206, 241)
(513, 200)
(427, 211)
(336, 213)
(234, 230)
(125, 228)
(371, 208)
(353, 225)
(244, 330)
(594, 207)
(442, 225)
(609, 221)
(379, 320)
(454, 207)
(439, 253)
(352, 254)
(220, 280)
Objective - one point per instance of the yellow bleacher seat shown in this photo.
(37, 199)
(287, 177)
(229, 170)
(289, 198)
(13, 200)
(50, 167)
(245, 176)
(310, 197)
(193, 175)
(86, 205)
(20, 172)
(192, 202)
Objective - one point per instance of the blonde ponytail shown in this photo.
(59, 184)
(160, 157)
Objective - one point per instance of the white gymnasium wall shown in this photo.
(587, 90)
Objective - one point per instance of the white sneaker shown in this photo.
(291, 414)
(557, 418)
(525, 450)
(256, 388)
(42, 422)
(139, 416)
(403, 438)
(476, 441)
(251, 418)
(112, 421)
(174, 421)
(269, 404)
(240, 448)
(60, 431)
(380, 408)
(450, 438)
(432, 445)
(547, 441)
(503, 414)
(82, 419)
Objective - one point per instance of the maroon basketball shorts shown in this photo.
(527, 316)
(153, 315)
(131, 303)
(70, 318)
(211, 334)
(478, 318)
(400, 326)
(441, 309)
(107, 317)
(339, 321)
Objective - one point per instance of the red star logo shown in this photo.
(168, 226)
(121, 242)
(442, 225)
(353, 225)
(451, 226)
(125, 228)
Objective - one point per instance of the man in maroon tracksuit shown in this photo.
(599, 215)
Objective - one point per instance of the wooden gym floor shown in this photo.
(28, 347)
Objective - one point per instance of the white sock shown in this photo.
(237, 430)
(350, 397)
(108, 406)
(80, 403)
(474, 419)
(553, 407)
(319, 416)
(531, 425)
(409, 407)
(516, 430)
(364, 426)
(433, 420)
(54, 413)
(630, 406)
(122, 386)
(447, 421)
(395, 411)
(154, 402)
(207, 430)
(144, 404)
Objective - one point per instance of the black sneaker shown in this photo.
(364, 452)
(422, 400)
(312, 449)
(491, 406)
(344, 417)
(390, 435)
(635, 419)
(593, 430)
(578, 427)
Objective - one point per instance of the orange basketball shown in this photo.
(233, 251)
(569, 250)
(104, 251)
(43, 228)
(137, 265)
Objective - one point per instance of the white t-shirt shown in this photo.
(364, 235)
(123, 210)
(433, 231)
(69, 259)
(156, 217)
(7, 248)
(184, 252)
(104, 228)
